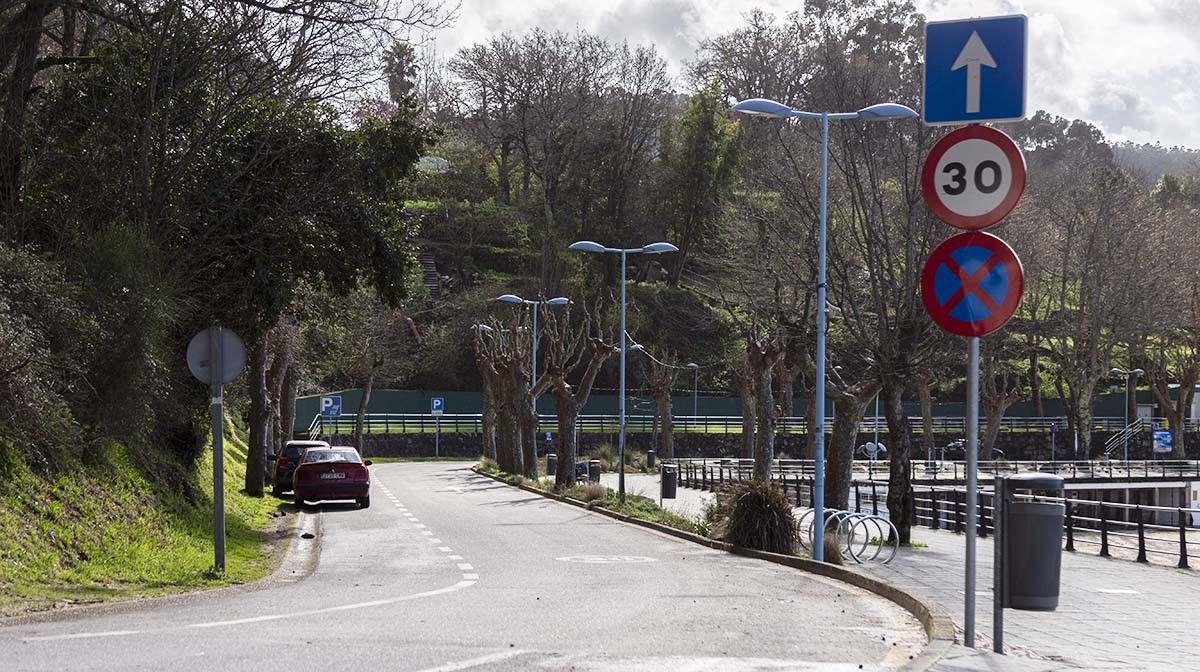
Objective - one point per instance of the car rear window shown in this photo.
(330, 456)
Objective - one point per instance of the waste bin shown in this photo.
(1033, 533)
(650, 458)
(668, 480)
(594, 471)
(551, 464)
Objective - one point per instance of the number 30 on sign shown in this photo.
(973, 177)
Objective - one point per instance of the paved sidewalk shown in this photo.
(1113, 614)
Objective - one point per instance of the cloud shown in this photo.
(1129, 66)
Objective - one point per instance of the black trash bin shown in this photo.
(668, 480)
(1033, 532)
(650, 459)
(551, 464)
(594, 471)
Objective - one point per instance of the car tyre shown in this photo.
(364, 502)
(299, 501)
(277, 489)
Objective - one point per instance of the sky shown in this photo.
(1131, 67)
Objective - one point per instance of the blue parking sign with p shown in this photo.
(437, 405)
(331, 406)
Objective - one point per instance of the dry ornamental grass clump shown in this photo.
(756, 514)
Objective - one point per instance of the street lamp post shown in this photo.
(1130, 376)
(695, 389)
(879, 112)
(652, 248)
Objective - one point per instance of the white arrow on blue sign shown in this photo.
(437, 405)
(975, 70)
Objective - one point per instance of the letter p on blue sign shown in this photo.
(437, 405)
(331, 406)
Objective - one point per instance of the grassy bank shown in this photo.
(104, 531)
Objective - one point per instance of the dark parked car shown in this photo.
(286, 462)
(332, 473)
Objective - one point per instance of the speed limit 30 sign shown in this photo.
(973, 177)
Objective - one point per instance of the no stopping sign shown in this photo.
(973, 177)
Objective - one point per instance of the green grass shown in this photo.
(104, 531)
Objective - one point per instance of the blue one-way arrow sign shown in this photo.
(975, 70)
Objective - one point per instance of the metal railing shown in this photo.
(704, 424)
(1115, 529)
(954, 470)
(1122, 437)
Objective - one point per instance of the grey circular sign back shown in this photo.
(199, 355)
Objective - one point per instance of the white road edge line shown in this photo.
(465, 567)
(470, 577)
(476, 662)
(465, 583)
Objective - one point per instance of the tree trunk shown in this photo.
(26, 27)
(529, 427)
(568, 450)
(362, 410)
(259, 417)
(1080, 395)
(840, 456)
(746, 391)
(927, 438)
(899, 498)
(487, 423)
(764, 439)
(287, 405)
(507, 448)
(1035, 382)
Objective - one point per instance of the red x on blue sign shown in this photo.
(972, 284)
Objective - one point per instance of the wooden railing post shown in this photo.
(1141, 556)
(1103, 532)
(1183, 549)
(1070, 526)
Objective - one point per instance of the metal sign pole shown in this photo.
(437, 436)
(218, 441)
(999, 539)
(972, 473)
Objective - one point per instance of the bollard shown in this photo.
(1103, 532)
(650, 459)
(857, 499)
(1183, 550)
(551, 463)
(874, 500)
(1141, 557)
(594, 471)
(934, 514)
(1070, 526)
(983, 516)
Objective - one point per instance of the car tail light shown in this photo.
(357, 473)
(282, 462)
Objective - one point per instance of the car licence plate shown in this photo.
(333, 475)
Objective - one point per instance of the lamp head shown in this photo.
(558, 301)
(482, 328)
(659, 248)
(1118, 371)
(1137, 372)
(764, 107)
(885, 111)
(587, 246)
(693, 366)
(510, 298)
(636, 347)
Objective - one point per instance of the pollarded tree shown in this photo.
(567, 344)
(661, 379)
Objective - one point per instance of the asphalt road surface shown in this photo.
(449, 570)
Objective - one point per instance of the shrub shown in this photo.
(756, 514)
(590, 492)
(834, 543)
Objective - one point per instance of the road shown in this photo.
(449, 570)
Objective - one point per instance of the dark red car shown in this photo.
(332, 473)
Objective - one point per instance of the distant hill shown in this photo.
(1152, 160)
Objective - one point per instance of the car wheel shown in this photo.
(298, 500)
(364, 502)
(276, 489)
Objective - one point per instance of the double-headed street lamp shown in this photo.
(880, 112)
(1130, 375)
(652, 248)
(513, 298)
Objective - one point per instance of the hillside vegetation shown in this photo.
(104, 530)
